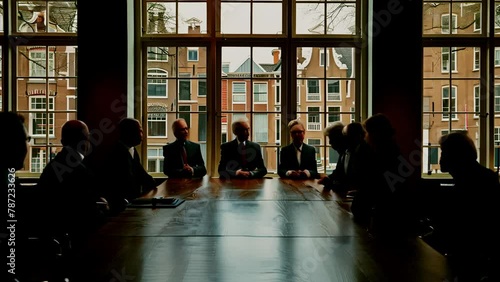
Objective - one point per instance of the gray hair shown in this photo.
(238, 122)
(334, 127)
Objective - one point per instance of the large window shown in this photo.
(457, 77)
(227, 60)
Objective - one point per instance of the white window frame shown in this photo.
(477, 100)
(49, 113)
(157, 54)
(451, 62)
(314, 126)
(203, 77)
(193, 50)
(333, 109)
(476, 62)
(157, 158)
(157, 76)
(445, 29)
(260, 94)
(453, 96)
(235, 95)
(313, 97)
(477, 21)
(497, 57)
(261, 133)
(315, 145)
(333, 96)
(37, 61)
(158, 119)
(68, 98)
(40, 160)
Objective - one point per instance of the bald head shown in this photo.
(75, 134)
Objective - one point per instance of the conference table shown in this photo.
(267, 229)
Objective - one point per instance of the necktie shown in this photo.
(346, 161)
(243, 155)
(299, 152)
(184, 155)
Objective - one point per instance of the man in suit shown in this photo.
(124, 175)
(68, 188)
(297, 160)
(183, 158)
(241, 158)
(337, 179)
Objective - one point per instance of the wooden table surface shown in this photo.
(249, 230)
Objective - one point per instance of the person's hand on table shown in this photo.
(243, 173)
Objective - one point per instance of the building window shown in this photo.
(313, 119)
(155, 159)
(157, 124)
(497, 57)
(185, 113)
(445, 23)
(202, 123)
(38, 63)
(157, 83)
(260, 128)
(250, 81)
(333, 90)
(239, 92)
(38, 160)
(192, 54)
(184, 88)
(449, 62)
(476, 101)
(260, 92)
(477, 21)
(333, 114)
(313, 93)
(202, 85)
(449, 102)
(158, 54)
(477, 59)
(497, 99)
(316, 143)
(41, 121)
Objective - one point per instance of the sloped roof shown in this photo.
(245, 67)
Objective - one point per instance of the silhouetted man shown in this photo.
(241, 158)
(125, 177)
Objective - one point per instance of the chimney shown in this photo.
(276, 55)
(194, 29)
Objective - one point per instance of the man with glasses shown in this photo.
(183, 158)
(297, 160)
(241, 158)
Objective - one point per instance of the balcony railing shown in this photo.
(314, 126)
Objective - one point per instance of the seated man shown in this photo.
(125, 178)
(68, 187)
(241, 158)
(297, 160)
(337, 179)
(183, 158)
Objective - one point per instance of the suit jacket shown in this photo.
(124, 177)
(288, 160)
(68, 191)
(232, 159)
(173, 164)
